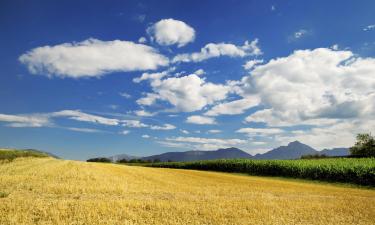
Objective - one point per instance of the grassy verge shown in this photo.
(355, 171)
(11, 154)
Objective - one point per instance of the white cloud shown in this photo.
(150, 76)
(300, 33)
(142, 40)
(214, 131)
(125, 132)
(200, 72)
(133, 123)
(146, 136)
(85, 130)
(125, 95)
(163, 127)
(202, 143)
(170, 32)
(92, 58)
(252, 63)
(33, 120)
(188, 93)
(144, 113)
(185, 131)
(80, 116)
(322, 88)
(341, 134)
(234, 107)
(200, 120)
(369, 27)
(213, 50)
(149, 99)
(260, 131)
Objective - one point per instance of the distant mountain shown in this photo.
(227, 153)
(335, 152)
(294, 150)
(116, 158)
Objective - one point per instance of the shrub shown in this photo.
(102, 159)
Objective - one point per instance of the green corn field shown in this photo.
(347, 170)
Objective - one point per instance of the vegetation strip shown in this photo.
(347, 170)
(11, 154)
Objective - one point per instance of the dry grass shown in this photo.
(50, 191)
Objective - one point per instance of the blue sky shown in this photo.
(98, 78)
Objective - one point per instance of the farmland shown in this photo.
(52, 191)
(348, 170)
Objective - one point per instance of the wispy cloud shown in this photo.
(369, 27)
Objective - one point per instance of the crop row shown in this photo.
(347, 170)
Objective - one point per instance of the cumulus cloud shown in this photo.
(92, 58)
(201, 120)
(171, 32)
(252, 63)
(320, 88)
(188, 93)
(145, 136)
(311, 84)
(234, 107)
(213, 50)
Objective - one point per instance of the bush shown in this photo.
(104, 160)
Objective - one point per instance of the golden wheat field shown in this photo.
(51, 191)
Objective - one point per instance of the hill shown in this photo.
(10, 154)
(225, 153)
(335, 152)
(294, 150)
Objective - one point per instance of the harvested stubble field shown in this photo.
(51, 191)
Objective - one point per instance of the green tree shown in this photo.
(364, 146)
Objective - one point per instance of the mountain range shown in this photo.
(294, 150)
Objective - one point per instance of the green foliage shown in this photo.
(104, 160)
(348, 170)
(314, 156)
(10, 154)
(138, 161)
(364, 146)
